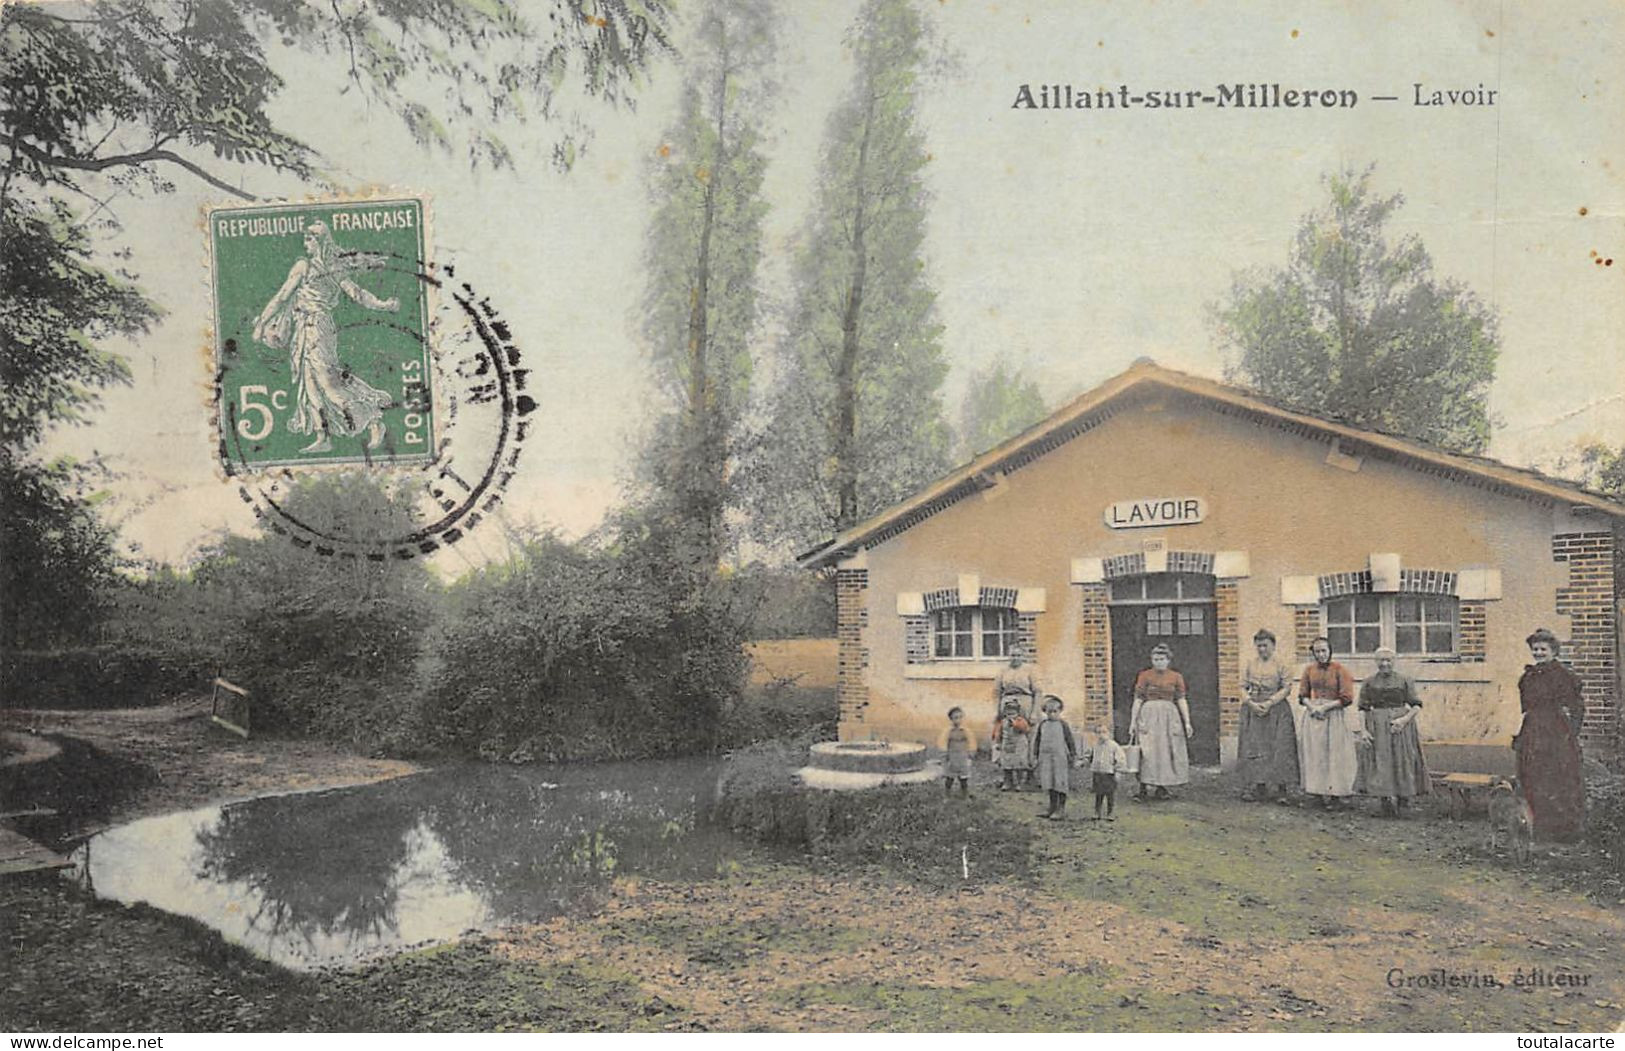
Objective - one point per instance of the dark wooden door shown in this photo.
(1176, 610)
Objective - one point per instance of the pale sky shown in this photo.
(1072, 242)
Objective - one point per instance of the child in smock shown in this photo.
(958, 747)
(1054, 749)
(1012, 740)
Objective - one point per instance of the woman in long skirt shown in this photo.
(1547, 745)
(1268, 746)
(1391, 765)
(1326, 738)
(1161, 725)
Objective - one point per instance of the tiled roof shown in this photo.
(1094, 407)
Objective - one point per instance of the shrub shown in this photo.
(909, 831)
(108, 676)
(587, 651)
(327, 646)
(781, 710)
(785, 603)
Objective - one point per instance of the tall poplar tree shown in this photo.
(1001, 402)
(1357, 327)
(856, 421)
(703, 253)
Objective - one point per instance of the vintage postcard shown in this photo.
(857, 515)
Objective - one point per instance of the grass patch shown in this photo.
(1091, 998)
(731, 945)
(467, 987)
(909, 832)
(1253, 872)
(77, 964)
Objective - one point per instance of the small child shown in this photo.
(1106, 759)
(1012, 741)
(1054, 749)
(958, 744)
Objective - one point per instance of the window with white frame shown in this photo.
(1410, 624)
(973, 632)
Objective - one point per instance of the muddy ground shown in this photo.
(1199, 914)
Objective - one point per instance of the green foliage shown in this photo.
(909, 831)
(99, 676)
(795, 716)
(1000, 403)
(703, 251)
(780, 603)
(102, 100)
(328, 646)
(56, 307)
(855, 421)
(1359, 329)
(124, 84)
(1602, 468)
(587, 652)
(57, 556)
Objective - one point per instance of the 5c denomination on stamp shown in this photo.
(321, 317)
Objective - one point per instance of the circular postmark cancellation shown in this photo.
(340, 346)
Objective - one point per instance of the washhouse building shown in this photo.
(1165, 508)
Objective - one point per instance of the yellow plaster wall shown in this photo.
(1269, 493)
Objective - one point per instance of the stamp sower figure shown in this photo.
(328, 398)
(1054, 750)
(1391, 765)
(1268, 745)
(958, 746)
(1012, 740)
(1547, 745)
(1018, 680)
(1106, 758)
(1330, 765)
(1161, 725)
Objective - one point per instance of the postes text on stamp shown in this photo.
(321, 316)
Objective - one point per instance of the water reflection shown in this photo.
(324, 880)
(331, 877)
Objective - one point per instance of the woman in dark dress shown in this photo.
(1547, 745)
(1391, 764)
(1268, 745)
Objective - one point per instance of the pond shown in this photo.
(334, 877)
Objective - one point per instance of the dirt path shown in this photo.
(190, 762)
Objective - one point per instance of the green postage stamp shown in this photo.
(321, 316)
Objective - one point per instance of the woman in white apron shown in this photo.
(1326, 738)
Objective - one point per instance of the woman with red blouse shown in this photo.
(1161, 725)
(1330, 761)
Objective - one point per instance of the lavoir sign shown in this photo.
(1159, 511)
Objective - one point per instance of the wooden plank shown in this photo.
(233, 727)
(38, 811)
(19, 854)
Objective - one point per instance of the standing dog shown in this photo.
(1509, 813)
